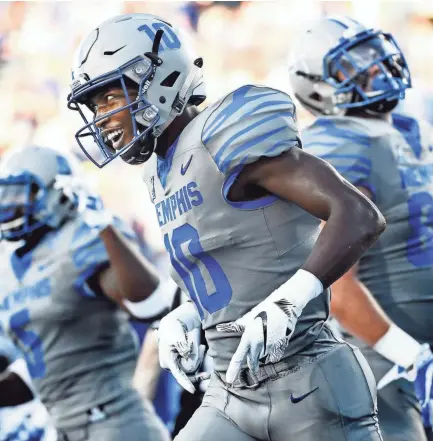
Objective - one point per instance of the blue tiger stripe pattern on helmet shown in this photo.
(267, 128)
(344, 145)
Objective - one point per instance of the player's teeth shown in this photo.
(112, 134)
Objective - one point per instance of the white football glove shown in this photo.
(179, 347)
(266, 331)
(267, 328)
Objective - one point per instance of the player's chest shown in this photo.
(185, 189)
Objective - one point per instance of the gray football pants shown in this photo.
(398, 408)
(126, 419)
(331, 397)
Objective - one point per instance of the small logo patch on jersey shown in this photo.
(152, 191)
(184, 168)
(298, 399)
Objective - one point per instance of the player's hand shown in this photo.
(421, 373)
(179, 348)
(266, 332)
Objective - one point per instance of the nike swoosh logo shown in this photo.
(113, 52)
(184, 168)
(264, 316)
(298, 399)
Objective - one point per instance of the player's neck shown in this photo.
(167, 139)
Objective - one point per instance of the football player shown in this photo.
(239, 204)
(68, 272)
(351, 78)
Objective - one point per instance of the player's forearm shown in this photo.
(136, 277)
(13, 390)
(354, 224)
(357, 311)
(148, 370)
(360, 314)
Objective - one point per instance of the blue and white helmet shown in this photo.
(150, 53)
(37, 187)
(332, 63)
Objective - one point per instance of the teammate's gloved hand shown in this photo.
(180, 351)
(266, 331)
(421, 372)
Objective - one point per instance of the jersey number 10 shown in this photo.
(190, 272)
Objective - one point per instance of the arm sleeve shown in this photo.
(250, 123)
(89, 255)
(345, 145)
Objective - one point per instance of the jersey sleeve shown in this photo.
(250, 123)
(345, 145)
(88, 252)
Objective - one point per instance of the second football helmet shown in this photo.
(339, 64)
(36, 188)
(140, 50)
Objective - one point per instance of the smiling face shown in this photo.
(117, 129)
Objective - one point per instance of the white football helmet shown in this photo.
(339, 64)
(36, 188)
(146, 51)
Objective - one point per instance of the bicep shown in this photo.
(304, 179)
(104, 283)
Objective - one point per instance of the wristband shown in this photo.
(398, 347)
(301, 288)
(157, 303)
(186, 314)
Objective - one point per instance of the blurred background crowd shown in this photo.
(241, 42)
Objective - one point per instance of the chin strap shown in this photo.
(181, 100)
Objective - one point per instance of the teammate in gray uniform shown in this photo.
(352, 80)
(239, 204)
(66, 275)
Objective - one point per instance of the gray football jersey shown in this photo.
(8, 350)
(79, 347)
(229, 256)
(394, 161)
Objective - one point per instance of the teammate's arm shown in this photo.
(353, 222)
(148, 370)
(357, 311)
(130, 276)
